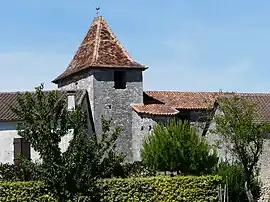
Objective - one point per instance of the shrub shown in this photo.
(137, 169)
(46, 120)
(10, 172)
(24, 191)
(179, 188)
(176, 147)
(241, 128)
(234, 177)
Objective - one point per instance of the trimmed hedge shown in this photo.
(24, 191)
(179, 188)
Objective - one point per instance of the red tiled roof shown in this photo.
(262, 106)
(99, 49)
(169, 102)
(185, 100)
(155, 109)
(6, 101)
(9, 99)
(192, 100)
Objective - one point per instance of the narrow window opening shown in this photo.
(120, 80)
(21, 147)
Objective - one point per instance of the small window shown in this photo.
(120, 80)
(21, 146)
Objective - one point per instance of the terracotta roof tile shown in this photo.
(6, 101)
(191, 100)
(9, 99)
(185, 100)
(99, 49)
(262, 104)
(169, 102)
(155, 109)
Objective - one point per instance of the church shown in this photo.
(106, 80)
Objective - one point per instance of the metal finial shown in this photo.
(97, 9)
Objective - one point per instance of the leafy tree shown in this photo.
(233, 177)
(176, 147)
(242, 131)
(69, 174)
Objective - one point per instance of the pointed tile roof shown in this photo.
(99, 49)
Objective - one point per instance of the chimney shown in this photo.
(71, 95)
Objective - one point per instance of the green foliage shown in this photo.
(180, 188)
(176, 146)
(24, 191)
(233, 176)
(242, 131)
(10, 172)
(74, 172)
(110, 161)
(137, 169)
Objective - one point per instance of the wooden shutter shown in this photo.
(17, 149)
(26, 149)
(23, 147)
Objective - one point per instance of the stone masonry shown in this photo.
(110, 102)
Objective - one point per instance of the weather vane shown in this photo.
(97, 9)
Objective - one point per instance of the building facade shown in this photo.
(112, 86)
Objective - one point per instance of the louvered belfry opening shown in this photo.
(21, 146)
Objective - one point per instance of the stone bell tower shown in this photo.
(113, 80)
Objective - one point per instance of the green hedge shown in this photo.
(181, 188)
(24, 191)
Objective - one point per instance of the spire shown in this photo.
(97, 9)
(99, 49)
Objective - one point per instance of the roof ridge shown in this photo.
(156, 109)
(217, 92)
(97, 40)
(118, 42)
(58, 90)
(80, 44)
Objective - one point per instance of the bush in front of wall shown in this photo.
(24, 191)
(11, 172)
(138, 169)
(176, 147)
(234, 177)
(179, 188)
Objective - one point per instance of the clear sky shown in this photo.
(188, 45)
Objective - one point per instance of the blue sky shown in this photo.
(188, 45)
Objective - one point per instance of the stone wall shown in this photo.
(80, 82)
(142, 125)
(110, 102)
(116, 104)
(224, 154)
